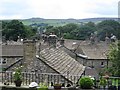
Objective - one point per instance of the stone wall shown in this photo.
(93, 66)
(96, 63)
(23, 88)
(42, 67)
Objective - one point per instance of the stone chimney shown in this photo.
(29, 54)
(52, 40)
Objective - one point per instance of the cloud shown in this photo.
(14, 9)
(74, 8)
(105, 7)
(58, 8)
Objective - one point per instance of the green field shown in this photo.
(52, 22)
(61, 22)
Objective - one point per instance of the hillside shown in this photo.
(54, 22)
(59, 22)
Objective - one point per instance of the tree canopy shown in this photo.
(114, 56)
(14, 29)
(108, 27)
(83, 31)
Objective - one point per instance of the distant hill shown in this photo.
(97, 19)
(54, 22)
(61, 22)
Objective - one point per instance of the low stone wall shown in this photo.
(23, 88)
(17, 88)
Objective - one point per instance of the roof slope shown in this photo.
(95, 51)
(12, 50)
(62, 62)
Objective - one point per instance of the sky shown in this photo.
(58, 9)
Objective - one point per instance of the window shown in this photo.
(3, 60)
(102, 64)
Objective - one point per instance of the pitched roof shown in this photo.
(71, 44)
(95, 51)
(62, 62)
(92, 51)
(12, 50)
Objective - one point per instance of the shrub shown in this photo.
(103, 82)
(17, 75)
(43, 86)
(86, 83)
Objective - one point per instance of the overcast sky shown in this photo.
(58, 9)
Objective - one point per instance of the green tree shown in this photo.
(82, 32)
(85, 32)
(114, 56)
(70, 31)
(91, 24)
(70, 27)
(67, 31)
(108, 27)
(15, 28)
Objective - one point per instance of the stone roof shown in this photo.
(95, 51)
(71, 44)
(12, 50)
(98, 50)
(61, 62)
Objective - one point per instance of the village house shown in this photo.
(10, 54)
(74, 57)
(49, 60)
(93, 56)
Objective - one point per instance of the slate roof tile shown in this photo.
(62, 62)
